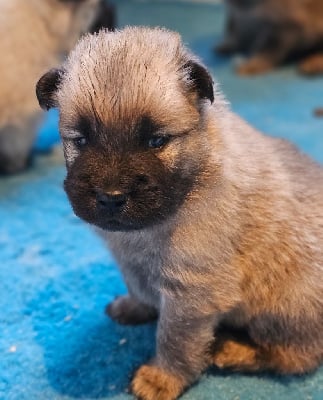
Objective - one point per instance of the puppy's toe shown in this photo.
(152, 383)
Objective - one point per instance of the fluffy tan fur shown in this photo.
(35, 35)
(245, 249)
(94, 68)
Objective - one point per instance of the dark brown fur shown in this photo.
(163, 189)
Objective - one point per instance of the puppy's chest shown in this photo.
(140, 260)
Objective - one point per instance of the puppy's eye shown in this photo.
(80, 142)
(158, 142)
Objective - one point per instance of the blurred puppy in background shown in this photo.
(34, 36)
(272, 32)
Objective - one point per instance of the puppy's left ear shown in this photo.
(200, 79)
(47, 86)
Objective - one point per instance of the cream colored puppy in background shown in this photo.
(35, 35)
(217, 228)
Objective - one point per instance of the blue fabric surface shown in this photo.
(56, 276)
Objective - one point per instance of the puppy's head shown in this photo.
(132, 107)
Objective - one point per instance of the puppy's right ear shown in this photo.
(47, 86)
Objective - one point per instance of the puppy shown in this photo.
(34, 36)
(217, 228)
(274, 31)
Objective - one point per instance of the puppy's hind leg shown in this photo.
(235, 352)
(248, 357)
(126, 310)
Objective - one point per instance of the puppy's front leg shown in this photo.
(184, 340)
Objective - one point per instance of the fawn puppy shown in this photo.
(217, 228)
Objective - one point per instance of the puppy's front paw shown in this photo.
(128, 311)
(152, 383)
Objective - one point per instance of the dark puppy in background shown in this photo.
(217, 228)
(35, 35)
(272, 32)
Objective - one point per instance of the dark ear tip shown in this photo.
(46, 88)
(203, 82)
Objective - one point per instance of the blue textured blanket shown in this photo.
(56, 276)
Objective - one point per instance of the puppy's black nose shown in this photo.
(112, 200)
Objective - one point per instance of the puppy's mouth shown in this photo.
(115, 225)
(122, 213)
